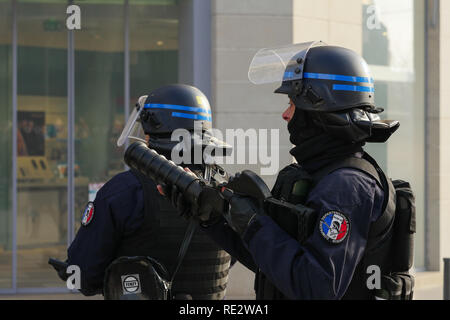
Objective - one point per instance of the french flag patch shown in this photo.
(334, 226)
(88, 214)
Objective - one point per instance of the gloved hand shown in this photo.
(177, 200)
(242, 210)
(60, 267)
(205, 213)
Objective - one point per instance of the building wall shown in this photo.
(444, 116)
(329, 21)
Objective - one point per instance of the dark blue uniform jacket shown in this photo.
(319, 269)
(118, 211)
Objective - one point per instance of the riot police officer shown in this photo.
(130, 218)
(331, 115)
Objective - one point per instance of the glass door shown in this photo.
(6, 217)
(99, 98)
(41, 141)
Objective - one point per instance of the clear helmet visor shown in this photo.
(274, 65)
(133, 128)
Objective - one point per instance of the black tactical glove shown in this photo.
(177, 200)
(205, 213)
(242, 211)
(60, 267)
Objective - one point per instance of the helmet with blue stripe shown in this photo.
(171, 107)
(333, 79)
(332, 84)
(175, 106)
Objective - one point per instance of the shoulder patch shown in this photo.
(88, 214)
(334, 226)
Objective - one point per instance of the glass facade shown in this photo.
(153, 47)
(116, 59)
(42, 142)
(99, 99)
(6, 234)
(393, 46)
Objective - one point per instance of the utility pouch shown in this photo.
(399, 284)
(293, 185)
(395, 286)
(143, 277)
(404, 227)
(136, 278)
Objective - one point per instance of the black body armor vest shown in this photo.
(293, 185)
(203, 274)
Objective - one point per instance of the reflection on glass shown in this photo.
(41, 138)
(393, 45)
(99, 86)
(5, 146)
(99, 92)
(153, 46)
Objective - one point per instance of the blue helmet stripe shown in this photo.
(175, 107)
(345, 87)
(191, 116)
(288, 75)
(324, 76)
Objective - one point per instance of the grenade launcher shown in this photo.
(207, 197)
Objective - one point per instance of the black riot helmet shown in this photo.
(331, 84)
(166, 109)
(175, 106)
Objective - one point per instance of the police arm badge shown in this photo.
(334, 226)
(88, 214)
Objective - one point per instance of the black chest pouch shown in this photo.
(292, 185)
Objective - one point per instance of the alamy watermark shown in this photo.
(374, 280)
(372, 22)
(249, 146)
(73, 21)
(74, 280)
